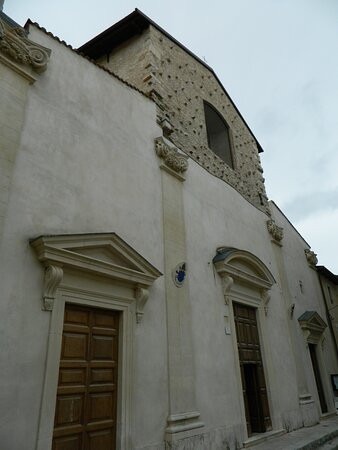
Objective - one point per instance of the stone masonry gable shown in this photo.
(179, 84)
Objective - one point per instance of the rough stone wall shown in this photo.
(179, 83)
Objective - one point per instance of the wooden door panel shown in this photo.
(72, 376)
(69, 410)
(85, 413)
(74, 346)
(101, 406)
(100, 440)
(264, 397)
(76, 316)
(104, 321)
(68, 443)
(104, 375)
(102, 347)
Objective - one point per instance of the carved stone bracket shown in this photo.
(53, 277)
(142, 296)
(172, 158)
(17, 47)
(266, 300)
(311, 257)
(276, 232)
(227, 282)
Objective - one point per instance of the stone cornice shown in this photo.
(20, 53)
(172, 158)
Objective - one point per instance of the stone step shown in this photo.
(310, 438)
(331, 445)
(321, 442)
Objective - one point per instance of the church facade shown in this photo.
(152, 296)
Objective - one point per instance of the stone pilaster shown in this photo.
(20, 61)
(183, 419)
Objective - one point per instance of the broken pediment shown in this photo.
(312, 325)
(104, 254)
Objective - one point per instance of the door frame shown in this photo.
(255, 302)
(125, 306)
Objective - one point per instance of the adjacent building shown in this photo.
(152, 296)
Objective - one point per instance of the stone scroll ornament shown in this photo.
(141, 295)
(179, 274)
(171, 157)
(276, 232)
(53, 277)
(311, 257)
(15, 44)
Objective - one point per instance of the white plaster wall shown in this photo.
(85, 164)
(310, 300)
(216, 215)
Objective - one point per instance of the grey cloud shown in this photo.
(304, 206)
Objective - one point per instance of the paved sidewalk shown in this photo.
(321, 436)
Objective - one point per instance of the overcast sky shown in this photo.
(278, 60)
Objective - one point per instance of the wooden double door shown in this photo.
(86, 403)
(252, 372)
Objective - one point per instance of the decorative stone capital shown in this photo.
(227, 282)
(53, 277)
(172, 158)
(142, 296)
(276, 232)
(311, 257)
(16, 47)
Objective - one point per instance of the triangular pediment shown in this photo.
(105, 253)
(312, 320)
(102, 253)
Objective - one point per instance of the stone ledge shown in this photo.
(306, 438)
(262, 437)
(320, 441)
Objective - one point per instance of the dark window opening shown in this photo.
(218, 134)
(318, 379)
(255, 407)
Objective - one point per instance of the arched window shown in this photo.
(218, 134)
